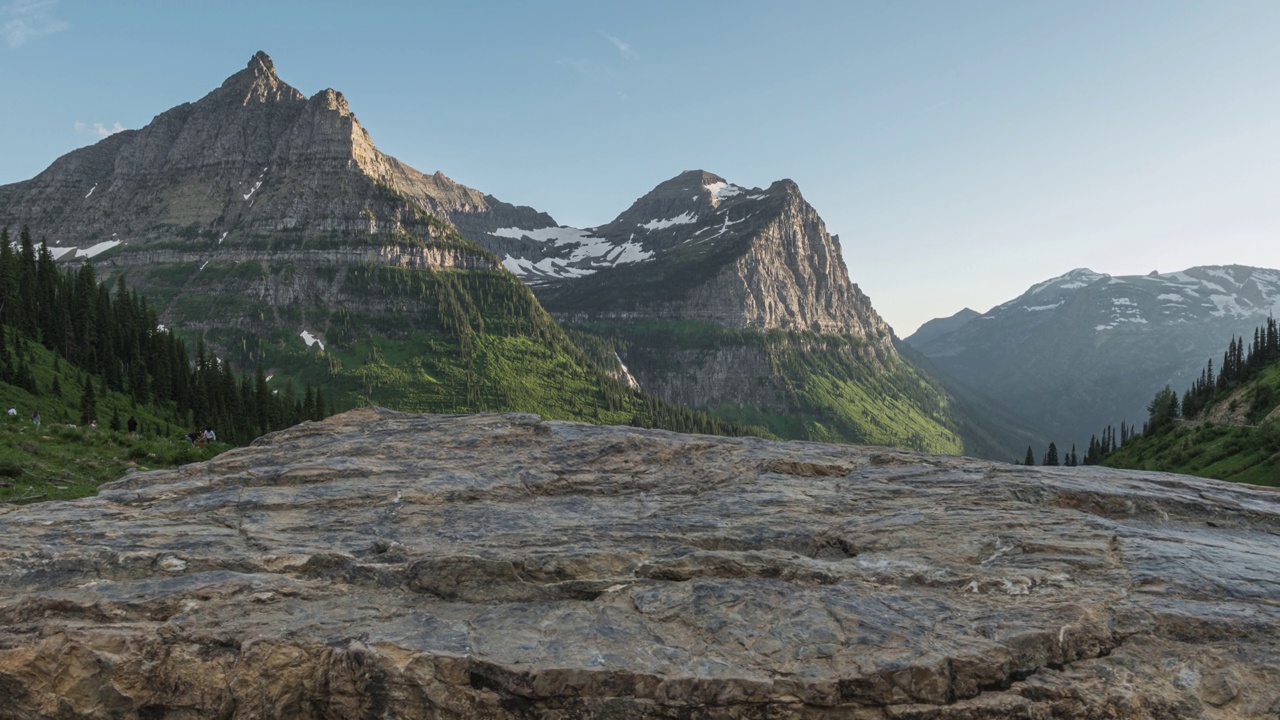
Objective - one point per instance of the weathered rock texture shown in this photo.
(383, 565)
(737, 257)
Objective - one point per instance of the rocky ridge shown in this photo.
(378, 564)
(1078, 352)
(699, 248)
(255, 159)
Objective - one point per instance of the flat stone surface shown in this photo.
(387, 565)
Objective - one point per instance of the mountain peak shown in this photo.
(257, 82)
(699, 176)
(261, 64)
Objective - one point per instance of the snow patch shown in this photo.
(1227, 305)
(1123, 301)
(98, 249)
(253, 190)
(517, 266)
(558, 235)
(224, 237)
(599, 251)
(722, 190)
(684, 218)
(626, 374)
(1037, 308)
(58, 252)
(1079, 275)
(1225, 275)
(160, 327)
(95, 187)
(1171, 297)
(268, 379)
(310, 339)
(206, 262)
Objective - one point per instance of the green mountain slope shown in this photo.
(798, 385)
(410, 336)
(61, 458)
(1238, 452)
(1226, 426)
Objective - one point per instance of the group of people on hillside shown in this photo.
(200, 438)
(132, 424)
(35, 415)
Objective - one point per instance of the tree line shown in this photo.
(1241, 363)
(116, 336)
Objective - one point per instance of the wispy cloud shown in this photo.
(98, 130)
(624, 47)
(22, 20)
(588, 68)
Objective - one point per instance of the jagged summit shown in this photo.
(700, 247)
(256, 83)
(262, 62)
(255, 157)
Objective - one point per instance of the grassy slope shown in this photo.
(840, 389)
(60, 460)
(1239, 454)
(418, 340)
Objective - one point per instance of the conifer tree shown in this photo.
(1051, 457)
(1031, 458)
(88, 403)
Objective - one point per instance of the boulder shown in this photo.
(380, 565)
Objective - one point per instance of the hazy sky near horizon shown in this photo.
(962, 151)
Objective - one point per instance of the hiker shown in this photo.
(191, 436)
(35, 417)
(208, 435)
(133, 426)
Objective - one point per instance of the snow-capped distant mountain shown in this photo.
(1083, 350)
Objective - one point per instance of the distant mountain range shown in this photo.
(270, 226)
(1083, 350)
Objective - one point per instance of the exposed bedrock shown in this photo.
(386, 565)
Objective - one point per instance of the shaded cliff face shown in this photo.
(379, 564)
(738, 301)
(699, 248)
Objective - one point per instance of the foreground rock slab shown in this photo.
(381, 565)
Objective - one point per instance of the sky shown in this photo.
(962, 151)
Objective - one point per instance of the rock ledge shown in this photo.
(497, 566)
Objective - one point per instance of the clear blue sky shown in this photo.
(961, 150)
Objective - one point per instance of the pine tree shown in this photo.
(88, 403)
(1031, 458)
(1051, 457)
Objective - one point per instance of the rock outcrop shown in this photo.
(255, 160)
(384, 565)
(708, 250)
